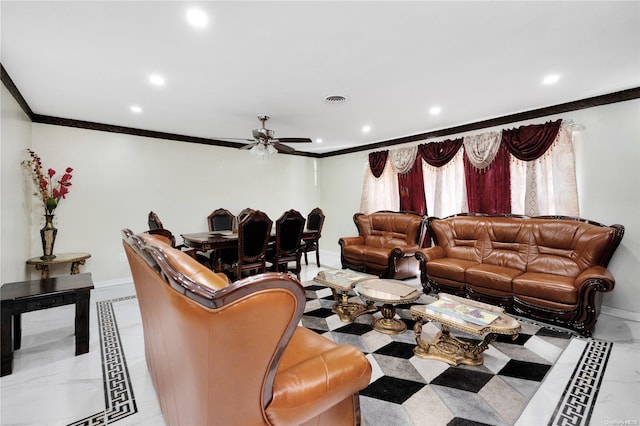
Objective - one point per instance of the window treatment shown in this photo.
(526, 170)
(377, 162)
(380, 193)
(410, 181)
(487, 174)
(547, 185)
(445, 189)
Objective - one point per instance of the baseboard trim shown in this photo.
(115, 281)
(620, 313)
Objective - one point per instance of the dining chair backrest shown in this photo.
(289, 228)
(315, 220)
(154, 221)
(253, 238)
(221, 220)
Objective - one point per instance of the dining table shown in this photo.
(216, 240)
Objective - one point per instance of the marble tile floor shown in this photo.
(51, 386)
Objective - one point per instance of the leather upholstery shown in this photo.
(233, 353)
(549, 268)
(386, 244)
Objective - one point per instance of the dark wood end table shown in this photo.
(26, 296)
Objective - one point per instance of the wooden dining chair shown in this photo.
(315, 221)
(254, 232)
(154, 221)
(221, 220)
(286, 248)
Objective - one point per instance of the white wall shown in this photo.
(15, 138)
(608, 156)
(119, 178)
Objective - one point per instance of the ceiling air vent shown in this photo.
(335, 99)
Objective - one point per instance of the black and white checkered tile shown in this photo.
(407, 390)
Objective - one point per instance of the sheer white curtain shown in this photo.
(445, 187)
(546, 186)
(380, 193)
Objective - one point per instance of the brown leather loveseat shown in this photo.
(550, 268)
(386, 244)
(222, 353)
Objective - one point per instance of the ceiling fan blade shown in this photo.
(235, 139)
(282, 148)
(294, 140)
(249, 146)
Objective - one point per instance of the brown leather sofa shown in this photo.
(550, 268)
(222, 353)
(386, 244)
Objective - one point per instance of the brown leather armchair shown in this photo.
(386, 244)
(233, 353)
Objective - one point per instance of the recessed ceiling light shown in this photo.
(197, 18)
(319, 140)
(135, 108)
(156, 79)
(551, 79)
(435, 110)
(366, 129)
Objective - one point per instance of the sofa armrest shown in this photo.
(351, 241)
(595, 275)
(314, 385)
(430, 253)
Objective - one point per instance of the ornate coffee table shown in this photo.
(389, 293)
(341, 281)
(468, 316)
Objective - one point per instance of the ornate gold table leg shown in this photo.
(448, 348)
(44, 271)
(75, 266)
(388, 324)
(346, 310)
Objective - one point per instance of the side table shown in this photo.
(26, 296)
(42, 265)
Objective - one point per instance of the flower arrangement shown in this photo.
(50, 191)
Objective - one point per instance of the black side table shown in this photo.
(26, 296)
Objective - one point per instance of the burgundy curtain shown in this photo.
(437, 154)
(489, 190)
(377, 160)
(528, 143)
(411, 187)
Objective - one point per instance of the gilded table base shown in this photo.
(348, 311)
(388, 324)
(448, 348)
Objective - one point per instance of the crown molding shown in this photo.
(610, 98)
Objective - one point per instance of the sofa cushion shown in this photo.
(462, 238)
(567, 246)
(449, 268)
(491, 276)
(367, 254)
(556, 288)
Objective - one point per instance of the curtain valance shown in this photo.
(437, 154)
(528, 143)
(482, 149)
(402, 159)
(377, 160)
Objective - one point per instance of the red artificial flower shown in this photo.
(49, 194)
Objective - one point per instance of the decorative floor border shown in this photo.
(118, 392)
(579, 397)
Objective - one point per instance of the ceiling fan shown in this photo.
(264, 142)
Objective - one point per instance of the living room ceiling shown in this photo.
(392, 61)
